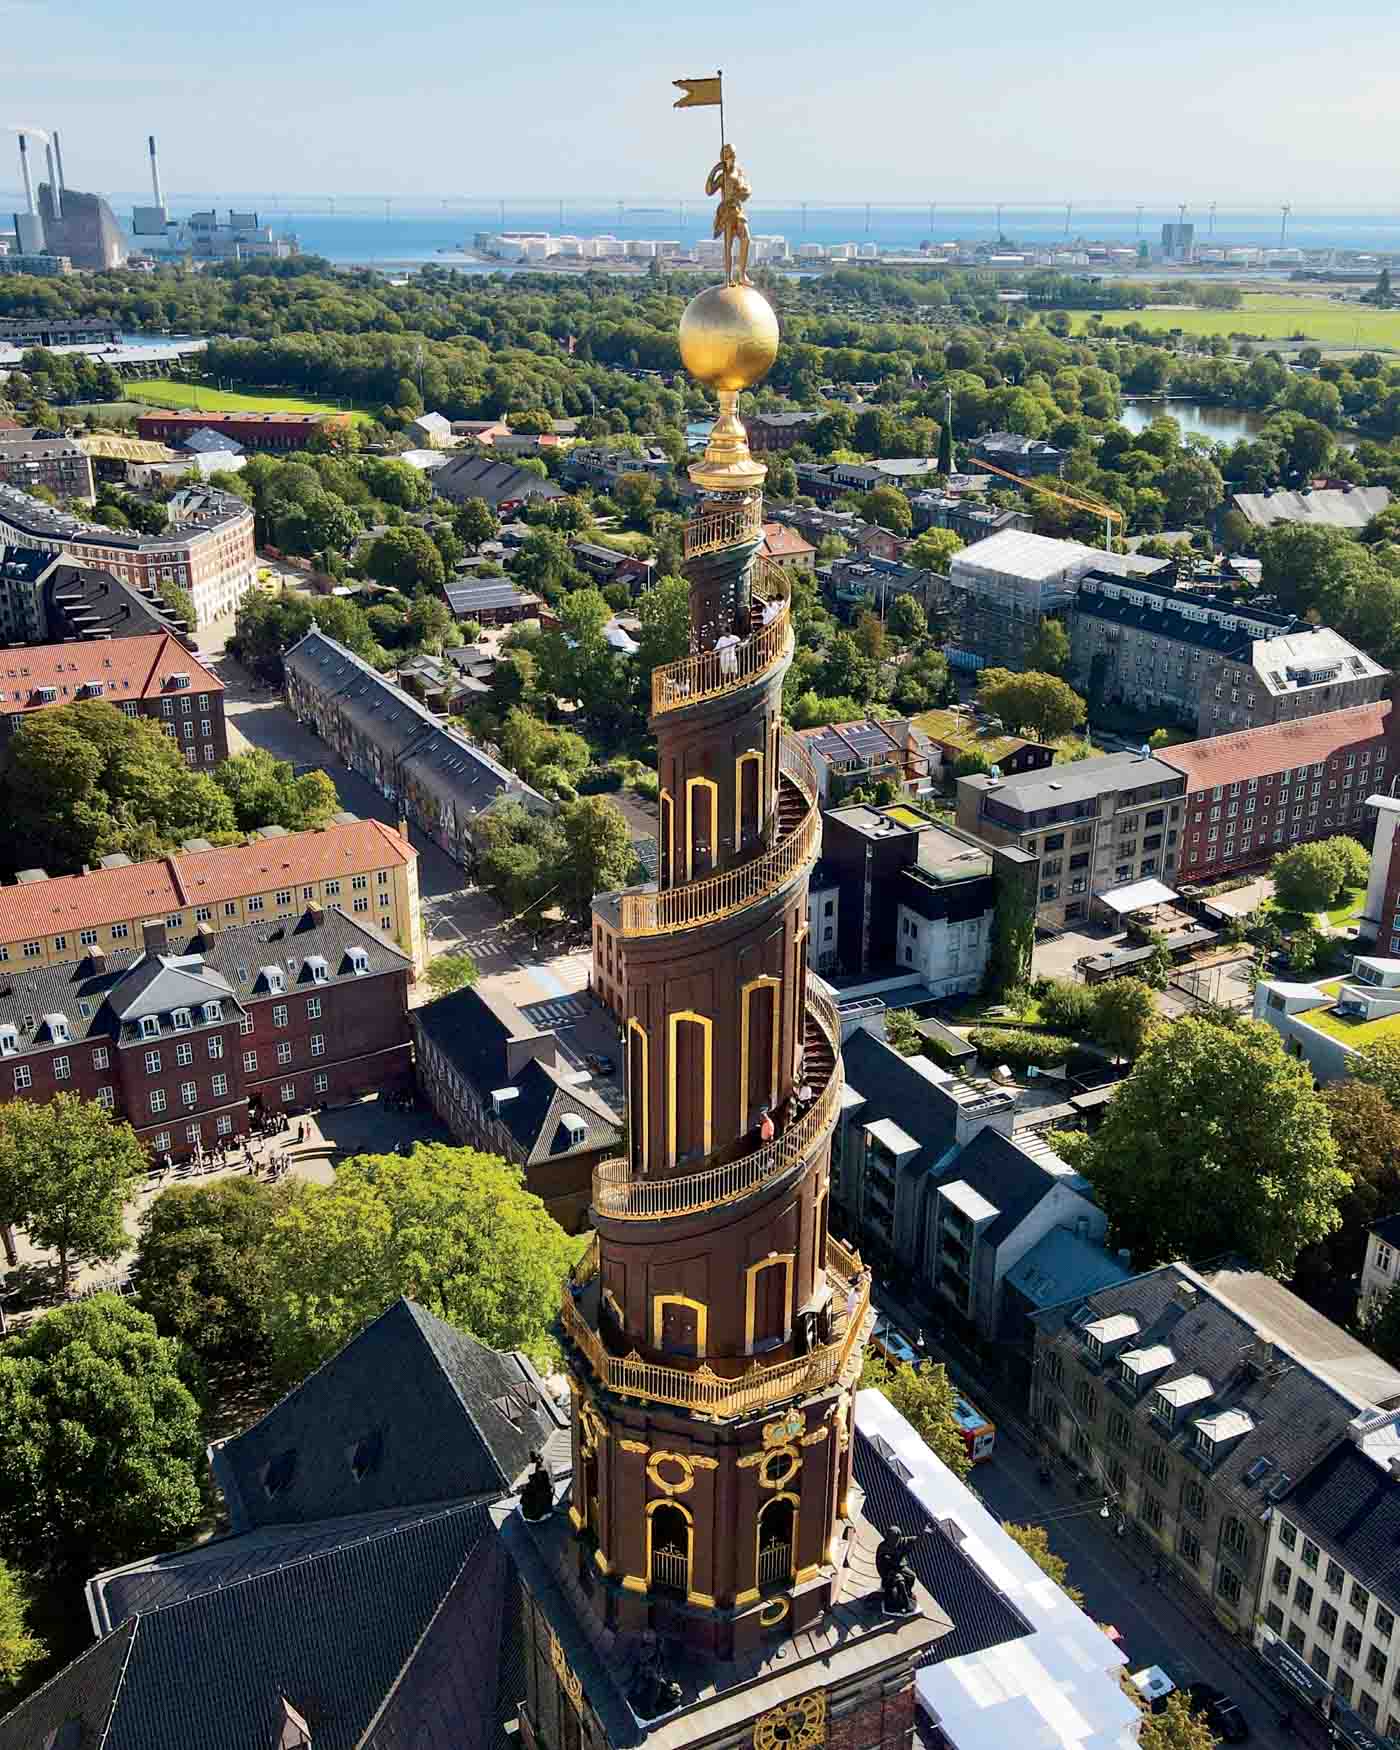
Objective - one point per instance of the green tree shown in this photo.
(1378, 1066)
(1193, 488)
(1175, 1727)
(19, 1646)
(925, 1399)
(407, 558)
(1040, 703)
(906, 619)
(520, 858)
(1309, 877)
(475, 522)
(1216, 1142)
(264, 792)
(103, 1455)
(847, 672)
(1124, 1014)
(545, 562)
(902, 1032)
(430, 623)
(1366, 1130)
(513, 680)
(449, 972)
(598, 854)
(451, 1227)
(934, 550)
(66, 1168)
(1049, 651)
(1379, 1325)
(1035, 1541)
(887, 506)
(200, 1268)
(83, 780)
(664, 611)
(636, 496)
(1310, 569)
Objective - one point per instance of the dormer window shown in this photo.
(58, 1028)
(150, 1026)
(9, 1041)
(318, 969)
(213, 1011)
(359, 961)
(181, 1020)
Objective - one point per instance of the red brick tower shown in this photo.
(715, 1583)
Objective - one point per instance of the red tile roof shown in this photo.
(167, 884)
(1225, 759)
(126, 668)
(779, 539)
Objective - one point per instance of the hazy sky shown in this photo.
(1075, 99)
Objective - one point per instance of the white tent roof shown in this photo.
(1136, 895)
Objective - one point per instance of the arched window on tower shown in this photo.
(702, 826)
(777, 1538)
(758, 1050)
(748, 800)
(769, 1300)
(689, 1084)
(668, 1547)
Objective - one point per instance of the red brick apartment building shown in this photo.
(153, 677)
(1251, 795)
(188, 1042)
(256, 431)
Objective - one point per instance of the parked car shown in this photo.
(600, 1065)
(1222, 1715)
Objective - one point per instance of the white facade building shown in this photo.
(1056, 1687)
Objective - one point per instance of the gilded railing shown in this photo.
(774, 1563)
(724, 526)
(719, 896)
(710, 673)
(617, 1194)
(706, 1392)
(587, 1266)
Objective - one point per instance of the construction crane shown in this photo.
(1106, 511)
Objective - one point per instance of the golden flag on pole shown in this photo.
(698, 92)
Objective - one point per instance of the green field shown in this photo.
(1277, 316)
(164, 392)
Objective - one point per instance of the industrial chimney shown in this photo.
(58, 160)
(55, 191)
(28, 180)
(155, 172)
(29, 226)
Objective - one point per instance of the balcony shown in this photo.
(745, 1386)
(724, 526)
(709, 674)
(658, 911)
(617, 1195)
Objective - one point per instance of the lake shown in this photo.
(1226, 425)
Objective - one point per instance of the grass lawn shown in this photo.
(165, 392)
(1347, 907)
(1273, 315)
(629, 541)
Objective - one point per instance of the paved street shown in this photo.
(1162, 1623)
(455, 915)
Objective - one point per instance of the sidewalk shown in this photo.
(309, 1160)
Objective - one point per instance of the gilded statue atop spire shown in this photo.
(729, 182)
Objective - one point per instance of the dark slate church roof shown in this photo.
(982, 1616)
(339, 1633)
(369, 1590)
(421, 1411)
